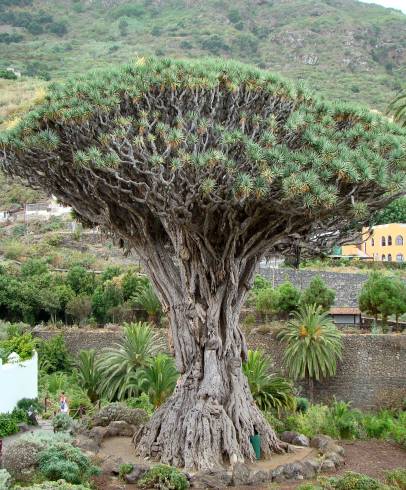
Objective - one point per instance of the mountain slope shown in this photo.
(343, 48)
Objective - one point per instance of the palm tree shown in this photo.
(398, 109)
(159, 379)
(147, 299)
(122, 365)
(268, 389)
(89, 374)
(313, 347)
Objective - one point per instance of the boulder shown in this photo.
(87, 444)
(310, 468)
(97, 434)
(288, 436)
(119, 412)
(120, 428)
(111, 465)
(241, 474)
(328, 465)
(24, 427)
(301, 440)
(211, 479)
(292, 471)
(321, 442)
(259, 477)
(137, 472)
(277, 474)
(335, 458)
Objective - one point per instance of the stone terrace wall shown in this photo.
(372, 373)
(347, 286)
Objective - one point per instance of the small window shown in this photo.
(399, 258)
(383, 258)
(383, 241)
(389, 240)
(372, 242)
(389, 257)
(399, 240)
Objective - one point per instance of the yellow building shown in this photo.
(382, 242)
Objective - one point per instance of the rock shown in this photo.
(241, 474)
(87, 444)
(211, 479)
(111, 465)
(137, 472)
(301, 440)
(292, 471)
(119, 412)
(328, 465)
(120, 428)
(321, 442)
(259, 477)
(288, 436)
(97, 434)
(277, 474)
(310, 468)
(335, 458)
(24, 427)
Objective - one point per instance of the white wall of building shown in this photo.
(18, 379)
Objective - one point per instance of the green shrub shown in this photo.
(53, 355)
(5, 478)
(22, 345)
(266, 301)
(302, 404)
(20, 415)
(8, 424)
(125, 469)
(26, 403)
(62, 422)
(354, 481)
(63, 461)
(318, 294)
(396, 478)
(142, 402)
(54, 485)
(165, 478)
(261, 283)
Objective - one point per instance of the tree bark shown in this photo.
(209, 419)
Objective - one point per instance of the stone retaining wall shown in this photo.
(372, 373)
(347, 286)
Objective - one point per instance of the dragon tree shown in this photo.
(203, 168)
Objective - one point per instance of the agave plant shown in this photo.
(159, 379)
(269, 390)
(89, 374)
(313, 345)
(122, 365)
(398, 109)
(147, 299)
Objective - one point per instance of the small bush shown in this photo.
(118, 411)
(125, 469)
(302, 404)
(26, 403)
(396, 478)
(165, 478)
(22, 345)
(5, 478)
(63, 461)
(354, 481)
(20, 458)
(62, 422)
(142, 402)
(8, 424)
(54, 485)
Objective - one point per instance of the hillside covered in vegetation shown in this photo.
(342, 48)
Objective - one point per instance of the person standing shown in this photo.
(63, 403)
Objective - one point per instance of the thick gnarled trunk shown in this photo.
(209, 419)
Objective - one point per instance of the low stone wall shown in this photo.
(372, 373)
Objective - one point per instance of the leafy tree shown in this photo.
(81, 280)
(106, 297)
(131, 284)
(383, 296)
(202, 168)
(122, 365)
(80, 308)
(313, 345)
(159, 379)
(288, 298)
(89, 374)
(395, 212)
(318, 294)
(53, 355)
(266, 301)
(269, 390)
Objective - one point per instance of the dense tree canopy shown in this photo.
(204, 167)
(395, 212)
